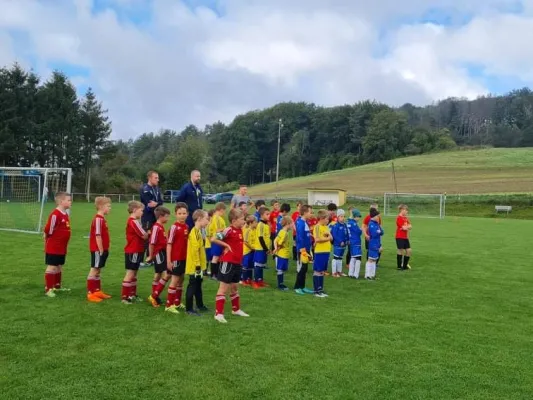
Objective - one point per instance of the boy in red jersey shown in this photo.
(231, 239)
(178, 236)
(157, 254)
(56, 237)
(99, 248)
(133, 251)
(403, 226)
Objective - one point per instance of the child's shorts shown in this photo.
(208, 254)
(355, 250)
(373, 254)
(321, 261)
(260, 258)
(248, 261)
(133, 260)
(216, 250)
(178, 268)
(55, 260)
(338, 251)
(282, 264)
(98, 260)
(160, 262)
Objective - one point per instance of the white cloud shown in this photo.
(196, 66)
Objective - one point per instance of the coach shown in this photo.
(151, 198)
(240, 197)
(192, 194)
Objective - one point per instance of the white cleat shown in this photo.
(220, 318)
(240, 313)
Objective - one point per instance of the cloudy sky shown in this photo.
(169, 63)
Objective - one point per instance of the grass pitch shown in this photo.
(458, 326)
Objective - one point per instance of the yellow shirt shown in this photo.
(248, 236)
(195, 252)
(217, 224)
(262, 231)
(282, 241)
(320, 231)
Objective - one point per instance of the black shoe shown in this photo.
(203, 309)
(194, 313)
(158, 300)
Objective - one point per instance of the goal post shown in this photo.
(420, 204)
(27, 195)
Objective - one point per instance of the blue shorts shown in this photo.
(374, 254)
(208, 255)
(355, 250)
(338, 251)
(248, 261)
(282, 264)
(260, 257)
(216, 250)
(320, 264)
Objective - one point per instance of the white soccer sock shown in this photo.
(338, 264)
(351, 271)
(357, 268)
(373, 270)
(367, 270)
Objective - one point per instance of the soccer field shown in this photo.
(458, 325)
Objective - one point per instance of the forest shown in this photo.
(47, 124)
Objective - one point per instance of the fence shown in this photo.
(115, 197)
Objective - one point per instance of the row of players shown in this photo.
(184, 252)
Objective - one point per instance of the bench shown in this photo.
(323, 202)
(506, 209)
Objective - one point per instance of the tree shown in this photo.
(387, 131)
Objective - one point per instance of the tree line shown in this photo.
(46, 124)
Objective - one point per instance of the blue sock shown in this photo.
(321, 282)
(257, 271)
(316, 282)
(260, 273)
(280, 279)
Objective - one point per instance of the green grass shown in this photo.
(457, 326)
(465, 171)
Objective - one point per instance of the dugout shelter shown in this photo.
(324, 197)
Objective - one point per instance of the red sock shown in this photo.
(235, 306)
(154, 285)
(126, 289)
(219, 304)
(97, 284)
(49, 280)
(133, 291)
(171, 296)
(179, 291)
(57, 284)
(159, 287)
(90, 285)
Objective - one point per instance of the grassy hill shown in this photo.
(459, 172)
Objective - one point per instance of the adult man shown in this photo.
(151, 198)
(191, 194)
(240, 197)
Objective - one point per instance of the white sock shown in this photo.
(351, 271)
(367, 270)
(357, 268)
(373, 270)
(333, 267)
(339, 266)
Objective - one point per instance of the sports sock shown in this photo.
(257, 272)
(214, 269)
(57, 283)
(171, 296)
(160, 287)
(154, 285)
(179, 292)
(280, 278)
(90, 285)
(351, 270)
(235, 306)
(316, 283)
(219, 304)
(49, 280)
(126, 286)
(399, 261)
(133, 287)
(405, 261)
(367, 270)
(261, 271)
(321, 282)
(373, 270)
(357, 268)
(97, 284)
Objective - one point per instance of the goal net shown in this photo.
(420, 205)
(27, 196)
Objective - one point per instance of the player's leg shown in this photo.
(282, 265)
(93, 279)
(399, 253)
(407, 255)
(59, 273)
(220, 299)
(260, 259)
(348, 257)
(234, 294)
(49, 276)
(101, 264)
(171, 291)
(199, 295)
(189, 295)
(128, 281)
(179, 287)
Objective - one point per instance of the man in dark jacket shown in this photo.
(191, 194)
(151, 198)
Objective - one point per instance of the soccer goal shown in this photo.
(27, 195)
(420, 205)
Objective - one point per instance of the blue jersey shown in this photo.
(303, 235)
(339, 232)
(375, 231)
(257, 216)
(355, 232)
(278, 223)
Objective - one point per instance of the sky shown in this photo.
(169, 63)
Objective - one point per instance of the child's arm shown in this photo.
(218, 238)
(262, 238)
(100, 244)
(151, 245)
(246, 240)
(137, 227)
(169, 256)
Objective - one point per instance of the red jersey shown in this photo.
(400, 222)
(158, 238)
(99, 228)
(233, 237)
(273, 220)
(312, 221)
(57, 231)
(295, 215)
(134, 237)
(366, 221)
(178, 236)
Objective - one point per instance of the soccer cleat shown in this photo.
(127, 300)
(320, 294)
(299, 291)
(327, 274)
(220, 318)
(153, 301)
(136, 299)
(203, 309)
(102, 295)
(324, 294)
(264, 284)
(408, 266)
(247, 282)
(240, 313)
(180, 306)
(172, 309)
(194, 313)
(308, 291)
(62, 289)
(283, 288)
(93, 298)
(257, 285)
(342, 274)
(50, 293)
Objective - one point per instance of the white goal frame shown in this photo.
(42, 175)
(387, 204)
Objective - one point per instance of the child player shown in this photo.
(262, 247)
(303, 249)
(196, 263)
(273, 221)
(322, 250)
(217, 224)
(355, 244)
(176, 249)
(243, 206)
(258, 205)
(208, 254)
(403, 226)
(366, 221)
(281, 249)
(99, 248)
(341, 238)
(284, 211)
(374, 232)
(295, 215)
(134, 251)
(230, 270)
(56, 238)
(249, 232)
(332, 211)
(157, 254)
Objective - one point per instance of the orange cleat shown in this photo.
(102, 295)
(256, 285)
(93, 298)
(264, 284)
(327, 274)
(246, 283)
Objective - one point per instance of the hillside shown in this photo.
(496, 170)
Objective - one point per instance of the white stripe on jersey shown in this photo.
(153, 237)
(52, 224)
(137, 225)
(171, 234)
(98, 227)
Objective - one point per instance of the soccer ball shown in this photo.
(7, 200)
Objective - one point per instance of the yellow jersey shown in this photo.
(262, 231)
(195, 252)
(282, 242)
(320, 232)
(248, 237)
(217, 224)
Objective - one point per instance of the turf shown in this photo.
(457, 326)
(466, 171)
